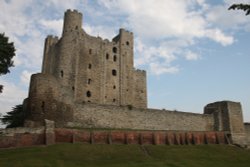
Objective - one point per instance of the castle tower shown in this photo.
(68, 49)
(86, 69)
(126, 67)
(72, 22)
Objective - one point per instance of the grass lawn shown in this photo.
(74, 155)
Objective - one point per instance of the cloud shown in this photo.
(161, 68)
(163, 19)
(166, 29)
(12, 95)
(52, 26)
(25, 77)
(228, 19)
(189, 55)
(101, 31)
(160, 59)
(219, 36)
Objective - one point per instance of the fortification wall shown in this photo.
(20, 137)
(23, 137)
(139, 137)
(140, 89)
(45, 101)
(247, 131)
(128, 117)
(228, 117)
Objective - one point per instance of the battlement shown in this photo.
(123, 34)
(140, 71)
(52, 39)
(74, 11)
(122, 30)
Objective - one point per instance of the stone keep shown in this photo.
(79, 68)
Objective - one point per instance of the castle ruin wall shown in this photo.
(128, 117)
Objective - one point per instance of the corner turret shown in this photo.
(72, 21)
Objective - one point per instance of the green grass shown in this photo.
(74, 155)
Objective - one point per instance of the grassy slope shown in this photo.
(72, 155)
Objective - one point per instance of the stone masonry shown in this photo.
(89, 82)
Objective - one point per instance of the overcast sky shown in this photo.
(194, 51)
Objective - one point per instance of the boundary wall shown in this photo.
(23, 137)
(128, 117)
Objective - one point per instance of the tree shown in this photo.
(14, 118)
(7, 52)
(244, 7)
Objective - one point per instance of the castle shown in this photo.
(89, 82)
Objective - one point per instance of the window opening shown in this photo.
(114, 100)
(89, 81)
(43, 105)
(107, 56)
(73, 88)
(90, 66)
(127, 43)
(61, 73)
(88, 93)
(114, 50)
(90, 51)
(114, 87)
(114, 58)
(114, 72)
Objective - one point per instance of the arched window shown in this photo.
(114, 58)
(114, 50)
(88, 93)
(89, 81)
(114, 72)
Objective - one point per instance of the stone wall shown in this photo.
(90, 69)
(129, 117)
(21, 137)
(247, 130)
(228, 117)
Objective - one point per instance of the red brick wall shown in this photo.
(113, 137)
(22, 140)
(139, 137)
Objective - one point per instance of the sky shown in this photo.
(195, 52)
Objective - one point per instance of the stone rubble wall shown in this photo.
(247, 130)
(129, 117)
(21, 137)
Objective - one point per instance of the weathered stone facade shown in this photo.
(93, 70)
(88, 82)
